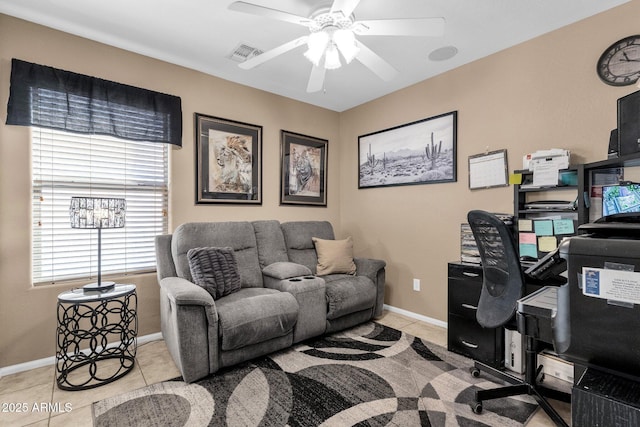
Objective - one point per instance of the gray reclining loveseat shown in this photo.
(279, 300)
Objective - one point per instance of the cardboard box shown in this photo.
(556, 367)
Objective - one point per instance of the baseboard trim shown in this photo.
(416, 316)
(47, 361)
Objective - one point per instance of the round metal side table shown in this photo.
(96, 336)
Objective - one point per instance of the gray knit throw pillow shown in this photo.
(215, 269)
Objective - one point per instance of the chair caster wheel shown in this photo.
(476, 407)
(475, 372)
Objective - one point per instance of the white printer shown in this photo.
(556, 156)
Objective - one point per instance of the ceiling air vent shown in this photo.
(242, 52)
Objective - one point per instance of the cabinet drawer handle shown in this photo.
(468, 344)
(466, 273)
(469, 306)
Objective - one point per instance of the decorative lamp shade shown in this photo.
(347, 44)
(317, 44)
(97, 212)
(332, 58)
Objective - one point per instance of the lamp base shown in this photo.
(99, 287)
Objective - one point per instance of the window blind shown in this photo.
(68, 164)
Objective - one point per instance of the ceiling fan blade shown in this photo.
(429, 27)
(316, 79)
(375, 63)
(267, 12)
(345, 6)
(270, 54)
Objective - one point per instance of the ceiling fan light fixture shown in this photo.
(313, 57)
(317, 43)
(332, 58)
(346, 42)
(332, 34)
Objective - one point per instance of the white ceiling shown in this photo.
(200, 34)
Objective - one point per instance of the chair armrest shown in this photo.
(374, 269)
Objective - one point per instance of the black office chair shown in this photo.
(503, 284)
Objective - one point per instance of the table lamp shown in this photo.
(97, 212)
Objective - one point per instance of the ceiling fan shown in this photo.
(333, 33)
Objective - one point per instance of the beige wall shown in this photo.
(27, 314)
(537, 95)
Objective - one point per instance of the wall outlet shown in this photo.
(416, 284)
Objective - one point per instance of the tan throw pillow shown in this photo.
(334, 256)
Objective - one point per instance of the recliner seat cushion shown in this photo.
(348, 294)
(254, 315)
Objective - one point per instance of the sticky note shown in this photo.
(527, 238)
(543, 227)
(515, 178)
(547, 243)
(528, 250)
(525, 225)
(563, 226)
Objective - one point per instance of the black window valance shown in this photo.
(57, 99)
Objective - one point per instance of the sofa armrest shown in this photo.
(374, 269)
(368, 267)
(285, 270)
(189, 323)
(184, 292)
(310, 293)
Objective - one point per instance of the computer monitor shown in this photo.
(623, 198)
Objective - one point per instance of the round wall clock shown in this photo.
(619, 64)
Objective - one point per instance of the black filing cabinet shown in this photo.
(465, 336)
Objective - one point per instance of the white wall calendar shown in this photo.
(488, 170)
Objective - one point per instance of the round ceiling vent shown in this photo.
(443, 53)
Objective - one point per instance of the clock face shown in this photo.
(619, 65)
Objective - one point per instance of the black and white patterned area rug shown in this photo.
(371, 375)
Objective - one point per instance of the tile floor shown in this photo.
(153, 364)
